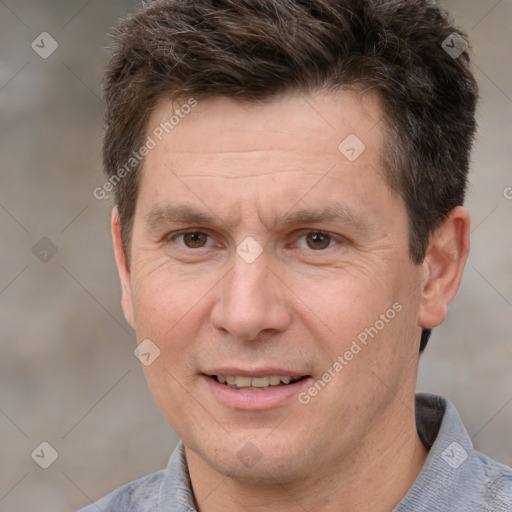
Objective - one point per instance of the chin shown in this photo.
(266, 471)
(256, 459)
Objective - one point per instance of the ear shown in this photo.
(123, 268)
(443, 266)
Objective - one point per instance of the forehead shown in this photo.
(316, 149)
(223, 125)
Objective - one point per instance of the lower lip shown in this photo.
(254, 400)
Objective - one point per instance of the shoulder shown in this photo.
(493, 490)
(141, 495)
(455, 476)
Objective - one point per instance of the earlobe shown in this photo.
(443, 267)
(123, 268)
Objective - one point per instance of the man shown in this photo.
(289, 178)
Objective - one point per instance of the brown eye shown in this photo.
(318, 241)
(195, 240)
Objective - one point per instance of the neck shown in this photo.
(373, 477)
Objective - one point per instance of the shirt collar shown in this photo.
(447, 471)
(176, 491)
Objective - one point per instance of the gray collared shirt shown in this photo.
(455, 477)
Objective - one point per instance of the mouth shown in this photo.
(259, 383)
(254, 389)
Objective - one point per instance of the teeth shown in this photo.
(260, 382)
(240, 381)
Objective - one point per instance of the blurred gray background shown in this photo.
(67, 371)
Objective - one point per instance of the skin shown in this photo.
(298, 306)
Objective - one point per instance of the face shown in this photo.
(270, 267)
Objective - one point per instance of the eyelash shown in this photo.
(333, 238)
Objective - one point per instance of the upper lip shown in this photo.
(254, 372)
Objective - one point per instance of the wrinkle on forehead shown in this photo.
(248, 164)
(258, 175)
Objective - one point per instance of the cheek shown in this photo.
(346, 302)
(166, 302)
(364, 316)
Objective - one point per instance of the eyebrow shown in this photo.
(177, 213)
(337, 212)
(186, 214)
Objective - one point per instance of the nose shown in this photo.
(251, 301)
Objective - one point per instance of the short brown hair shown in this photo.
(252, 50)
